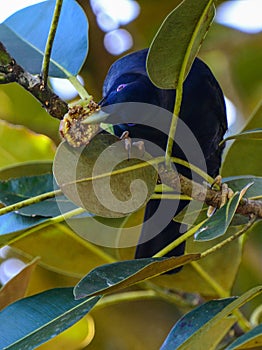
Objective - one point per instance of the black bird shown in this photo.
(203, 110)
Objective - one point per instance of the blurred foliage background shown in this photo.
(235, 58)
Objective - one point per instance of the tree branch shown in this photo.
(11, 72)
(205, 194)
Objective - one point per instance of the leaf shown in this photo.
(244, 157)
(62, 251)
(134, 325)
(191, 215)
(6, 239)
(16, 190)
(178, 41)
(236, 183)
(76, 337)
(113, 277)
(245, 73)
(18, 144)
(13, 223)
(193, 326)
(80, 175)
(27, 111)
(16, 288)
(255, 134)
(30, 168)
(27, 46)
(108, 228)
(41, 317)
(218, 223)
(192, 322)
(249, 340)
(214, 265)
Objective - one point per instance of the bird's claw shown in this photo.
(140, 145)
(128, 144)
(226, 194)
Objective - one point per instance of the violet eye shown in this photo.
(120, 87)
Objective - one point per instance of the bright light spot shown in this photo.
(231, 112)
(121, 11)
(244, 15)
(9, 268)
(64, 89)
(4, 252)
(13, 6)
(110, 16)
(105, 22)
(118, 41)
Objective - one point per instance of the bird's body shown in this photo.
(202, 110)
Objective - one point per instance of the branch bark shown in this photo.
(11, 72)
(204, 194)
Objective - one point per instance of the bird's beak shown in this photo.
(96, 118)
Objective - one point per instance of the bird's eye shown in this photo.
(120, 87)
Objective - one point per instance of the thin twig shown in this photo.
(229, 239)
(178, 241)
(50, 41)
(242, 321)
(29, 201)
(48, 222)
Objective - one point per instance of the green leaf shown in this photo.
(85, 175)
(16, 190)
(27, 46)
(195, 216)
(215, 266)
(236, 183)
(218, 223)
(249, 340)
(13, 223)
(192, 322)
(255, 134)
(194, 325)
(30, 168)
(113, 277)
(18, 144)
(191, 215)
(32, 321)
(177, 42)
(244, 157)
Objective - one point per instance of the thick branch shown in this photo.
(204, 194)
(11, 72)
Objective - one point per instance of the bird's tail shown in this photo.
(148, 246)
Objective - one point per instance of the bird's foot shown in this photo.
(226, 194)
(128, 144)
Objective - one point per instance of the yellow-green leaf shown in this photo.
(18, 144)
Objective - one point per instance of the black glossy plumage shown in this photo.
(202, 109)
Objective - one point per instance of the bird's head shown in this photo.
(127, 81)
